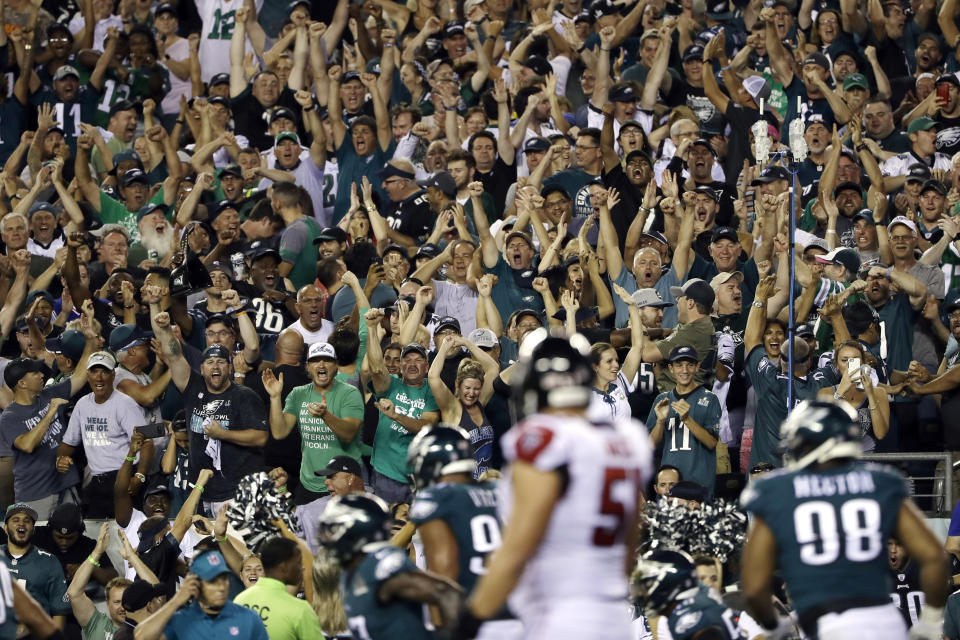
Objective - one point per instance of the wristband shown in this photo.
(862, 147)
(282, 488)
(219, 540)
(602, 49)
(387, 45)
(449, 108)
(181, 122)
(757, 304)
(92, 561)
(139, 476)
(310, 108)
(129, 459)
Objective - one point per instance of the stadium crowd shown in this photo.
(247, 237)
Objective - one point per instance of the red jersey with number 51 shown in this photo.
(605, 465)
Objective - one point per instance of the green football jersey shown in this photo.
(680, 448)
(470, 510)
(831, 528)
(367, 616)
(702, 611)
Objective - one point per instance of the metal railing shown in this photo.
(941, 497)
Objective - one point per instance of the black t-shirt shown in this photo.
(412, 217)
(450, 365)
(267, 317)
(630, 199)
(684, 93)
(738, 142)
(77, 554)
(248, 117)
(99, 276)
(948, 134)
(235, 408)
(497, 182)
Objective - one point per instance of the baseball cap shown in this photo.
(321, 350)
(223, 267)
(905, 221)
(159, 484)
(447, 322)
(126, 336)
(19, 367)
(582, 314)
(539, 65)
(847, 258)
(40, 293)
(220, 78)
(693, 52)
(453, 28)
(209, 565)
(147, 209)
(655, 235)
(703, 142)
(165, 7)
(518, 234)
(535, 144)
(66, 70)
(134, 175)
(805, 330)
(757, 87)
(414, 347)
(624, 93)
(952, 303)
(649, 298)
(844, 186)
(921, 124)
(725, 233)
(949, 78)
(917, 173)
(683, 353)
(215, 351)
(232, 170)
(725, 276)
(20, 507)
(817, 118)
(428, 250)
(70, 343)
(856, 80)
(139, 594)
(695, 289)
(43, 206)
(688, 490)
(770, 174)
(936, 185)
(818, 59)
(282, 112)
(331, 233)
(337, 464)
(866, 215)
(441, 180)
(66, 518)
(286, 135)
(719, 11)
(101, 359)
(263, 252)
(483, 338)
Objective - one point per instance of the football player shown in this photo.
(571, 495)
(665, 584)
(383, 591)
(824, 522)
(456, 517)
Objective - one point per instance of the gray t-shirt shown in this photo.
(35, 474)
(104, 429)
(627, 280)
(152, 413)
(924, 346)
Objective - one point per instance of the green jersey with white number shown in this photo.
(681, 448)
(831, 528)
(368, 616)
(470, 510)
(219, 19)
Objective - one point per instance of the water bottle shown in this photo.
(239, 266)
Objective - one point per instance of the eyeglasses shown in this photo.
(831, 21)
(901, 238)
(222, 333)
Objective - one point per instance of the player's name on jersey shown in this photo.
(806, 486)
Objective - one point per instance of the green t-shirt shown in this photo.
(114, 144)
(317, 441)
(297, 248)
(99, 627)
(392, 439)
(285, 616)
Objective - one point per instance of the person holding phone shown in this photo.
(857, 388)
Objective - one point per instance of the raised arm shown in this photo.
(441, 392)
(170, 347)
(757, 320)
(238, 76)
(780, 58)
(506, 149)
(81, 604)
(376, 368)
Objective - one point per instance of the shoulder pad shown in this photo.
(533, 440)
(389, 561)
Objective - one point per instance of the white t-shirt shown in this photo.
(899, 164)
(179, 51)
(309, 337)
(309, 176)
(104, 430)
(100, 31)
(457, 300)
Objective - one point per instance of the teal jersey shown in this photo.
(950, 265)
(705, 610)
(392, 440)
(770, 385)
(69, 115)
(681, 448)
(42, 576)
(897, 320)
(470, 510)
(367, 616)
(831, 528)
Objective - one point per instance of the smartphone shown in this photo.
(943, 93)
(152, 430)
(853, 370)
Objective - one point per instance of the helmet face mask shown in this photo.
(351, 523)
(437, 451)
(661, 578)
(555, 373)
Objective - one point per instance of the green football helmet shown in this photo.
(351, 523)
(819, 430)
(660, 578)
(439, 450)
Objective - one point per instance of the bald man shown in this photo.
(311, 325)
(284, 452)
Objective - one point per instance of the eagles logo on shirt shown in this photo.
(423, 508)
(687, 621)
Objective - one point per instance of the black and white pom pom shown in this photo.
(716, 529)
(256, 505)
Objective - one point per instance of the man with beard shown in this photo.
(705, 204)
(103, 421)
(405, 404)
(134, 187)
(513, 268)
(328, 414)
(651, 315)
(273, 306)
(227, 422)
(132, 348)
(156, 234)
(32, 426)
(817, 136)
(408, 216)
(495, 155)
(364, 148)
(932, 209)
(462, 166)
(454, 296)
(38, 571)
(923, 149)
(331, 243)
(77, 104)
(299, 257)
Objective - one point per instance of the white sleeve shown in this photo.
(406, 147)
(891, 166)
(561, 68)
(131, 415)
